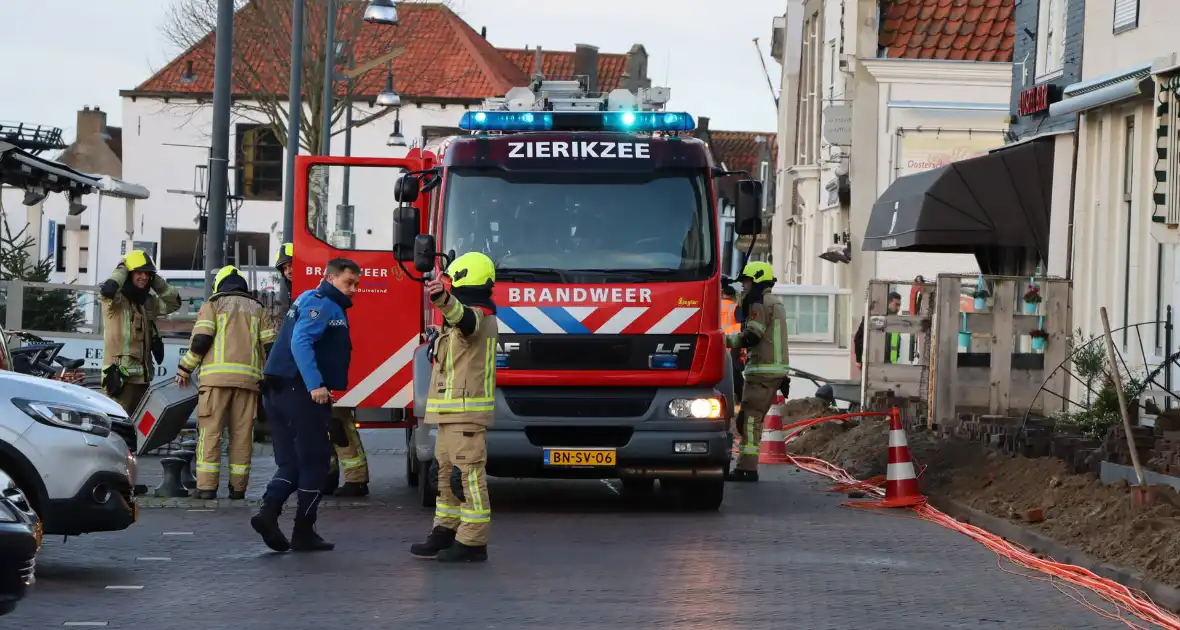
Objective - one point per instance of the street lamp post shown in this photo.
(219, 152)
(294, 121)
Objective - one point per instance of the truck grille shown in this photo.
(584, 437)
(578, 402)
(583, 354)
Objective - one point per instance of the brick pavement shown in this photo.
(780, 554)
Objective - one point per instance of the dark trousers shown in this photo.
(299, 432)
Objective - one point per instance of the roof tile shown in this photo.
(442, 56)
(969, 30)
(739, 150)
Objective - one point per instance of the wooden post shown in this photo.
(1003, 340)
(944, 375)
(1117, 376)
(1056, 311)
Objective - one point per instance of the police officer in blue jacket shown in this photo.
(309, 358)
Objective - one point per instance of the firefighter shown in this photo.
(235, 327)
(764, 336)
(310, 359)
(130, 338)
(352, 454)
(461, 401)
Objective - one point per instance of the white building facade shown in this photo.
(857, 111)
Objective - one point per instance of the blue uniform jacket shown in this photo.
(314, 342)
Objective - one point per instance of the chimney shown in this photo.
(91, 122)
(702, 130)
(635, 69)
(483, 32)
(586, 64)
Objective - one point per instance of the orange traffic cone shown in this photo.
(773, 448)
(901, 483)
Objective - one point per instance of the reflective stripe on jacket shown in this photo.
(128, 327)
(240, 329)
(463, 380)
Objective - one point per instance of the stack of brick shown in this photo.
(1165, 457)
(1118, 451)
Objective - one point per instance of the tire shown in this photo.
(412, 464)
(427, 492)
(704, 496)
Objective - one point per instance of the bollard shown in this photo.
(186, 474)
(171, 487)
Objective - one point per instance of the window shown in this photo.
(259, 163)
(1051, 37)
(574, 220)
(1126, 15)
(727, 248)
(184, 249)
(809, 317)
(1128, 208)
(434, 133)
(82, 238)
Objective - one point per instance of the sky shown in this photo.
(62, 55)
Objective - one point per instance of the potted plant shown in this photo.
(1038, 339)
(981, 296)
(1032, 297)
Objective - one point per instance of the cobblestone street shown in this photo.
(780, 554)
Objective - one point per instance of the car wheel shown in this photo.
(412, 465)
(702, 495)
(638, 492)
(427, 479)
(7, 607)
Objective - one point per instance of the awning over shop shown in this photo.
(1001, 199)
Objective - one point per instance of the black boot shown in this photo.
(440, 538)
(331, 484)
(266, 523)
(353, 489)
(304, 538)
(237, 495)
(459, 552)
(206, 495)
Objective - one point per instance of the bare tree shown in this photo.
(262, 47)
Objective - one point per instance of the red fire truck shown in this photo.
(600, 215)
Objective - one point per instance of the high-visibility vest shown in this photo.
(893, 342)
(729, 322)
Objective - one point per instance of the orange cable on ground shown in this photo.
(1121, 597)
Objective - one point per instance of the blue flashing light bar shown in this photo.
(577, 121)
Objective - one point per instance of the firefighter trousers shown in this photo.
(129, 399)
(218, 409)
(463, 446)
(351, 458)
(757, 397)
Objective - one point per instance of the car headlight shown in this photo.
(696, 408)
(66, 416)
(6, 515)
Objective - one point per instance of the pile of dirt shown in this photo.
(1079, 511)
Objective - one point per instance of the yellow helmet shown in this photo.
(472, 269)
(226, 272)
(285, 255)
(138, 260)
(758, 272)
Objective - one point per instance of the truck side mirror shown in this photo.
(748, 209)
(406, 189)
(424, 253)
(406, 222)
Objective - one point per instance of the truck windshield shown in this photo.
(567, 227)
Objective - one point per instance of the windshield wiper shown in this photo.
(531, 273)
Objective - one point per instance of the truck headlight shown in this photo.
(66, 416)
(696, 408)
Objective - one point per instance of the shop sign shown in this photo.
(1037, 99)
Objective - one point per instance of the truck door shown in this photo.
(344, 209)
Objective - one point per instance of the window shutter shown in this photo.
(1126, 14)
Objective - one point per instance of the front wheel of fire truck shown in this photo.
(427, 483)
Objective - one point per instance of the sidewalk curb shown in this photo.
(1162, 594)
(149, 503)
